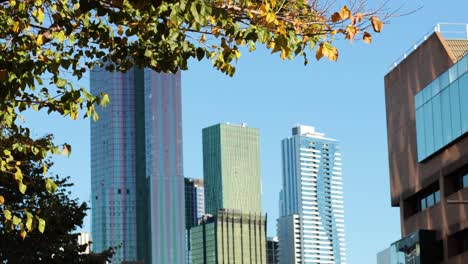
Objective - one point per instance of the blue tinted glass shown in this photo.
(418, 100)
(463, 86)
(435, 87)
(462, 65)
(437, 117)
(444, 80)
(437, 197)
(420, 141)
(465, 181)
(423, 203)
(430, 200)
(429, 128)
(427, 93)
(446, 118)
(455, 109)
(453, 73)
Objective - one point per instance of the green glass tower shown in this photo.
(231, 166)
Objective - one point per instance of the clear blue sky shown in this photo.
(345, 100)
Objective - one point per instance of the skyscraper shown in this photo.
(235, 230)
(311, 199)
(136, 167)
(231, 166)
(194, 206)
(426, 95)
(194, 201)
(272, 250)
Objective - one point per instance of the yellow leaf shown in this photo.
(358, 17)
(367, 38)
(16, 26)
(212, 20)
(284, 54)
(351, 31)
(202, 39)
(40, 15)
(270, 18)
(2, 200)
(39, 40)
(120, 30)
(23, 234)
(12, 3)
(345, 13)
(273, 3)
(376, 24)
(237, 53)
(64, 150)
(320, 52)
(326, 50)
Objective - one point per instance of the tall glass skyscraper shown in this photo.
(231, 166)
(136, 167)
(311, 200)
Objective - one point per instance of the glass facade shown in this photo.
(136, 167)
(229, 237)
(231, 166)
(442, 110)
(312, 188)
(417, 248)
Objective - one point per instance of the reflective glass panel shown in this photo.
(463, 87)
(455, 109)
(423, 204)
(429, 128)
(420, 141)
(446, 118)
(437, 118)
(430, 200)
(437, 197)
(465, 181)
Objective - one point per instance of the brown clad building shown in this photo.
(427, 125)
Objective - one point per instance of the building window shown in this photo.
(422, 200)
(458, 243)
(442, 110)
(465, 181)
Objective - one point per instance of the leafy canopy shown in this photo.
(46, 45)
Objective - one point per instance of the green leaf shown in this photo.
(104, 99)
(29, 221)
(50, 185)
(60, 82)
(22, 187)
(7, 214)
(61, 36)
(16, 220)
(41, 224)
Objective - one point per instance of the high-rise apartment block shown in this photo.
(231, 166)
(136, 167)
(311, 223)
(426, 97)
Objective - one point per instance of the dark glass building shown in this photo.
(272, 250)
(426, 97)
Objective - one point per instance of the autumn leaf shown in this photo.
(358, 17)
(345, 13)
(367, 38)
(2, 200)
(376, 24)
(335, 17)
(351, 31)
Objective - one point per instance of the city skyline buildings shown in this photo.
(136, 170)
(231, 165)
(426, 97)
(311, 222)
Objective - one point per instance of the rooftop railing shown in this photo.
(448, 31)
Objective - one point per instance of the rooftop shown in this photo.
(455, 35)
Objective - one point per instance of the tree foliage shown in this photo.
(49, 233)
(46, 45)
